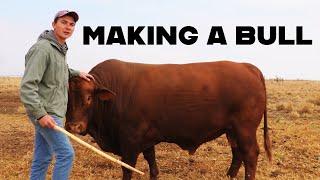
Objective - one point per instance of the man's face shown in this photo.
(64, 27)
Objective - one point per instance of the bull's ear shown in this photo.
(104, 94)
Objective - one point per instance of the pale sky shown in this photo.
(23, 21)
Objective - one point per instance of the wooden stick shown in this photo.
(96, 150)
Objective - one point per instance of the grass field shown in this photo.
(294, 121)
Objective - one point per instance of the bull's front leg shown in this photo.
(131, 159)
(149, 155)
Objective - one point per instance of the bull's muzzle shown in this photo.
(76, 128)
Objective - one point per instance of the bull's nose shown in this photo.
(75, 128)
(78, 128)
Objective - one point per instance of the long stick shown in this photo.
(96, 150)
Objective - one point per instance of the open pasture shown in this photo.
(293, 119)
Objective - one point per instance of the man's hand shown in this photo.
(47, 121)
(86, 76)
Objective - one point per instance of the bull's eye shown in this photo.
(89, 98)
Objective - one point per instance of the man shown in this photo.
(44, 93)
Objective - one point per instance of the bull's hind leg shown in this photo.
(250, 150)
(236, 155)
(149, 155)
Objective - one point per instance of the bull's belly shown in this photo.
(189, 133)
(190, 141)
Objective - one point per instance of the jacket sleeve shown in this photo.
(36, 64)
(73, 72)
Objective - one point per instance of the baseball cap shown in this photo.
(65, 13)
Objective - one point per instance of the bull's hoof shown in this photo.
(231, 177)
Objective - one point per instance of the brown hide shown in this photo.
(187, 104)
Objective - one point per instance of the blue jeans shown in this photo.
(49, 142)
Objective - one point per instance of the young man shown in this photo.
(44, 93)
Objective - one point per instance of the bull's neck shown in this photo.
(106, 115)
(121, 81)
(103, 128)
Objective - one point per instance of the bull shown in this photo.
(131, 107)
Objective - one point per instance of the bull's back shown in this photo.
(194, 86)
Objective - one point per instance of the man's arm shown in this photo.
(36, 64)
(73, 72)
(83, 75)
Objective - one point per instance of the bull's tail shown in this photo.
(267, 143)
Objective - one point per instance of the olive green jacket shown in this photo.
(44, 86)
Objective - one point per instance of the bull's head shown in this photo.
(81, 98)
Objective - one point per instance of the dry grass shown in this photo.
(294, 118)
